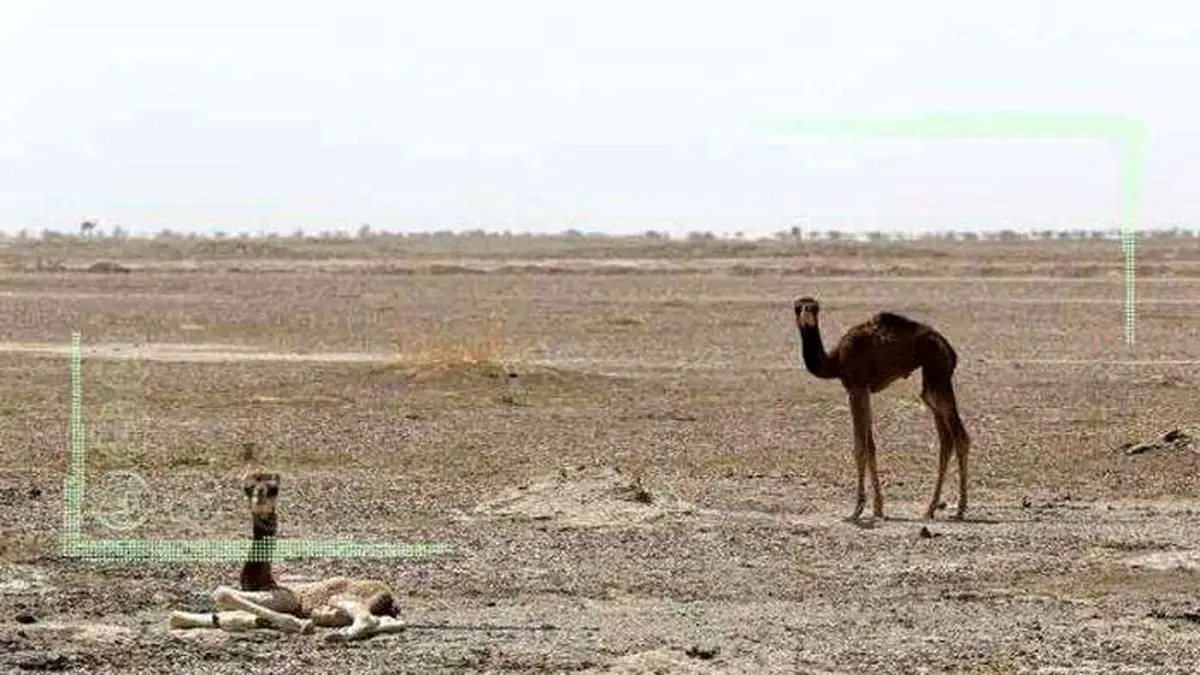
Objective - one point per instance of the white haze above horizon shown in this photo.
(603, 117)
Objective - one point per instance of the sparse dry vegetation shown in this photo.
(444, 348)
(1174, 251)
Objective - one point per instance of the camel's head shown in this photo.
(261, 488)
(807, 310)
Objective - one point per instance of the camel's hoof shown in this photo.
(859, 521)
(957, 516)
(306, 627)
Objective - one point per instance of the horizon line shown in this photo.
(363, 230)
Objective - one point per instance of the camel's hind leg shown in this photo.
(945, 448)
(962, 447)
(231, 621)
(877, 506)
(860, 415)
(938, 394)
(262, 604)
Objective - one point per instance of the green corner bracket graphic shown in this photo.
(76, 545)
(1129, 133)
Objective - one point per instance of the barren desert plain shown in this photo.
(618, 444)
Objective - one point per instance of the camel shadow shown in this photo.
(871, 523)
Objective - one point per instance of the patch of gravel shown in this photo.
(579, 497)
(730, 556)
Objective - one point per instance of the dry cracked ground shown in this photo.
(632, 470)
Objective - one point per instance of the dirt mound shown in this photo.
(108, 267)
(1166, 561)
(449, 371)
(1174, 440)
(510, 383)
(585, 498)
(669, 660)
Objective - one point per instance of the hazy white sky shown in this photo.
(270, 115)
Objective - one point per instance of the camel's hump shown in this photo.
(891, 319)
(318, 593)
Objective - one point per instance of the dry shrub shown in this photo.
(108, 267)
(634, 466)
(447, 348)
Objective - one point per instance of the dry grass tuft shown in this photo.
(445, 350)
(624, 321)
(634, 467)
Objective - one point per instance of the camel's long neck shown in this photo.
(256, 572)
(812, 349)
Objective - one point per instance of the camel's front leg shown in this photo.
(248, 601)
(363, 624)
(873, 469)
(388, 624)
(860, 415)
(232, 621)
(186, 620)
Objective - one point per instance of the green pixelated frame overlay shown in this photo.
(1129, 133)
(76, 545)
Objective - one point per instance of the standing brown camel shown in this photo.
(868, 358)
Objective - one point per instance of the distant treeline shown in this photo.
(50, 249)
(92, 230)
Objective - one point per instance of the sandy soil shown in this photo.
(633, 470)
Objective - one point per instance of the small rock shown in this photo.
(703, 652)
(925, 533)
(44, 662)
(1175, 439)
(25, 617)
